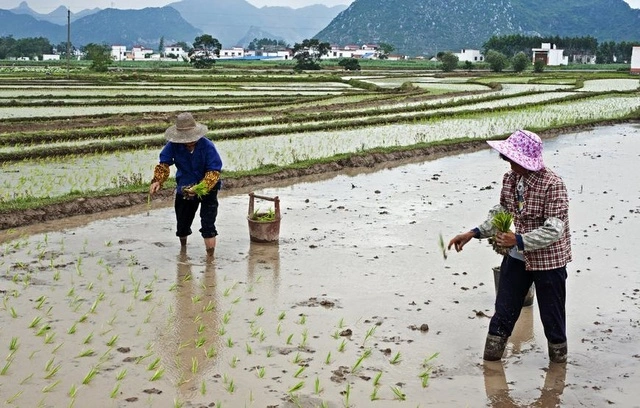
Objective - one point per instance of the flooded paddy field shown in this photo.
(356, 305)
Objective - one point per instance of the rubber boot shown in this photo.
(494, 347)
(558, 352)
(183, 241)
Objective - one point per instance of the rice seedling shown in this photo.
(289, 342)
(376, 379)
(154, 364)
(229, 342)
(260, 311)
(303, 319)
(14, 397)
(248, 348)
(157, 375)
(260, 371)
(13, 344)
(296, 387)
(374, 394)
(36, 320)
(113, 340)
(13, 312)
(369, 333)
(269, 352)
(297, 358)
(26, 379)
(231, 387)
(121, 374)
(399, 395)
(299, 372)
(114, 391)
(359, 361)
(347, 395)
(49, 337)
(40, 301)
(203, 388)
(87, 353)
(88, 339)
(209, 307)
(327, 359)
(200, 341)
(342, 346)
(279, 329)
(73, 328)
(396, 359)
(194, 365)
(281, 316)
(226, 317)
(501, 221)
(6, 366)
(90, 375)
(443, 248)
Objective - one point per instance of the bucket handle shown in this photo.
(275, 200)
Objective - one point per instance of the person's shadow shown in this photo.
(191, 339)
(497, 388)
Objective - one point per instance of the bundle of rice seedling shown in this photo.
(502, 222)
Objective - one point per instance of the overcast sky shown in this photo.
(46, 6)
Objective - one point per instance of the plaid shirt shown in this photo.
(543, 221)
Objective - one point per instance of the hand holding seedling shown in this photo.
(506, 239)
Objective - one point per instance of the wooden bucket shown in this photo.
(264, 231)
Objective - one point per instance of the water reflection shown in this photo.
(264, 262)
(192, 341)
(497, 388)
(523, 330)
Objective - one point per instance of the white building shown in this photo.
(50, 57)
(635, 60)
(469, 55)
(118, 52)
(550, 55)
(174, 51)
(231, 53)
(140, 52)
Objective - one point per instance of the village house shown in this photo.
(174, 51)
(550, 55)
(118, 52)
(232, 53)
(469, 55)
(366, 51)
(139, 52)
(635, 60)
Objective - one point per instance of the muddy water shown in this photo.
(357, 269)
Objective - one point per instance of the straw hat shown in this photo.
(523, 147)
(186, 129)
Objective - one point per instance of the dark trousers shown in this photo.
(186, 211)
(551, 295)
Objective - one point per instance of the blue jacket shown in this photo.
(191, 166)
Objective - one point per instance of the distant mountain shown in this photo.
(230, 20)
(111, 26)
(57, 16)
(425, 27)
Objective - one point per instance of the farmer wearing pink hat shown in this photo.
(197, 161)
(540, 246)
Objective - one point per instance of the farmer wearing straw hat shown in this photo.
(540, 246)
(197, 161)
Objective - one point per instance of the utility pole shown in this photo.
(68, 39)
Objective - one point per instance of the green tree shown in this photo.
(497, 61)
(267, 44)
(308, 54)
(205, 50)
(7, 47)
(161, 46)
(520, 62)
(350, 64)
(449, 61)
(100, 56)
(385, 50)
(538, 66)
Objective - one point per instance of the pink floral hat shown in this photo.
(523, 147)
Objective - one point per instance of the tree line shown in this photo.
(606, 52)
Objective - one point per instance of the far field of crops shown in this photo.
(60, 135)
